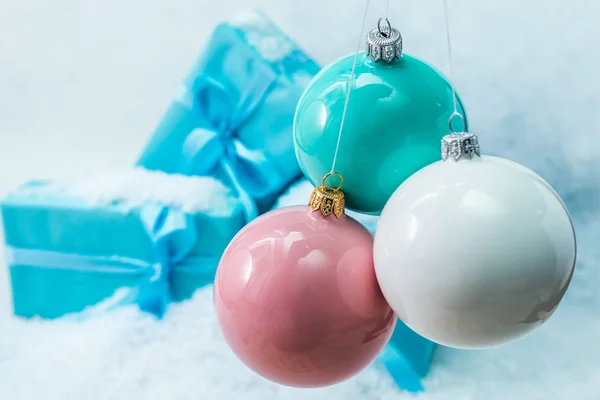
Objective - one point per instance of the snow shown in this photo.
(131, 188)
(83, 82)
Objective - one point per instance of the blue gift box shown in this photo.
(408, 356)
(73, 244)
(233, 115)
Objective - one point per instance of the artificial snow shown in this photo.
(134, 187)
(129, 355)
(82, 83)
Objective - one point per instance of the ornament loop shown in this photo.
(388, 31)
(384, 42)
(327, 199)
(458, 115)
(333, 173)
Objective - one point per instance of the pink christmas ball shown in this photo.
(297, 298)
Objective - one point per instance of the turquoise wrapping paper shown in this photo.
(65, 253)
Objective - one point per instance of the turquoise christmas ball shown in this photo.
(397, 115)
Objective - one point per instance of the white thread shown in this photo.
(350, 83)
(387, 8)
(451, 62)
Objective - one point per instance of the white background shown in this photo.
(83, 83)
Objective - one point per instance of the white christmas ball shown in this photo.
(474, 253)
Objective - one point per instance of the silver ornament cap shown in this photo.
(460, 145)
(384, 42)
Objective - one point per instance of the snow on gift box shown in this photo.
(73, 244)
(233, 115)
(408, 356)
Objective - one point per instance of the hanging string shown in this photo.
(350, 84)
(455, 113)
(387, 8)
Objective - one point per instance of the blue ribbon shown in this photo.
(222, 111)
(173, 235)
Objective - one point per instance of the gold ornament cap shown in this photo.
(328, 199)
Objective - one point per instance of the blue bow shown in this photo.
(173, 236)
(215, 144)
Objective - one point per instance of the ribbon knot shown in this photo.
(173, 236)
(214, 144)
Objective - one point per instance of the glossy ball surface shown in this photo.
(475, 253)
(397, 115)
(297, 299)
